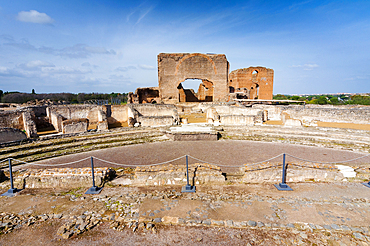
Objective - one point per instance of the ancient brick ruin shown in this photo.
(251, 83)
(217, 85)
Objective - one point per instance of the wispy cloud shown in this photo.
(146, 67)
(141, 11)
(306, 66)
(34, 65)
(75, 51)
(125, 69)
(142, 15)
(34, 16)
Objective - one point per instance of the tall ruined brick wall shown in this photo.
(345, 114)
(251, 78)
(175, 68)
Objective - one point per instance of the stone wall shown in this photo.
(62, 177)
(328, 113)
(22, 119)
(153, 114)
(295, 172)
(116, 113)
(174, 175)
(234, 115)
(75, 126)
(255, 82)
(245, 120)
(96, 115)
(175, 68)
(11, 134)
(155, 120)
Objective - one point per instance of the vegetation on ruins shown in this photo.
(337, 99)
(19, 97)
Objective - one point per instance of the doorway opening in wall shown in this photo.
(195, 90)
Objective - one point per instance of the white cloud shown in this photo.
(34, 17)
(65, 70)
(146, 67)
(86, 64)
(75, 51)
(39, 63)
(125, 69)
(306, 66)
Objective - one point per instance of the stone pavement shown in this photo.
(340, 209)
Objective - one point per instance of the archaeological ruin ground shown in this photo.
(234, 212)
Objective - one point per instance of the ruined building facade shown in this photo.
(217, 84)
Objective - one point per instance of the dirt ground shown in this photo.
(225, 153)
(321, 198)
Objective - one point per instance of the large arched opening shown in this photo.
(195, 90)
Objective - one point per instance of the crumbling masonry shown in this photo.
(217, 84)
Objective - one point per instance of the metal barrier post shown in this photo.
(283, 185)
(12, 190)
(188, 187)
(367, 184)
(94, 189)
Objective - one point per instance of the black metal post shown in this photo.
(12, 190)
(283, 185)
(284, 170)
(94, 189)
(92, 171)
(188, 187)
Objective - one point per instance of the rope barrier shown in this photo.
(52, 165)
(165, 162)
(147, 165)
(252, 164)
(335, 162)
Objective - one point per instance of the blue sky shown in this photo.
(112, 46)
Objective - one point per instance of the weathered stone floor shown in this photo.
(313, 213)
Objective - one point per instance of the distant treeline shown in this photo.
(328, 99)
(18, 97)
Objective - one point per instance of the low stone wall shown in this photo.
(295, 172)
(62, 177)
(11, 134)
(196, 136)
(155, 120)
(329, 113)
(154, 112)
(175, 175)
(75, 126)
(246, 120)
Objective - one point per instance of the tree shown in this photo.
(322, 100)
(1, 94)
(33, 91)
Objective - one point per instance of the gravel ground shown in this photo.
(224, 152)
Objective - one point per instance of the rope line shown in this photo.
(252, 164)
(197, 159)
(334, 162)
(51, 165)
(147, 165)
